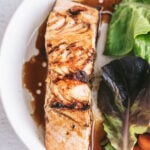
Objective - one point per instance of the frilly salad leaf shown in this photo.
(124, 99)
(129, 29)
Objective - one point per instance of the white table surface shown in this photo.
(8, 138)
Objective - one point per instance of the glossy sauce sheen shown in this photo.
(34, 74)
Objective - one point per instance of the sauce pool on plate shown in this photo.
(34, 75)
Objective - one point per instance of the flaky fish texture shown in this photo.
(70, 47)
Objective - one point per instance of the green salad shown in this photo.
(129, 30)
(124, 100)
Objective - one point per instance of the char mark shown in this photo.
(75, 106)
(79, 75)
(55, 48)
(76, 10)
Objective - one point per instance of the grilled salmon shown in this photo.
(70, 46)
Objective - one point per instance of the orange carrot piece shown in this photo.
(137, 148)
(144, 141)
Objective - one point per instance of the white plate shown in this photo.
(17, 45)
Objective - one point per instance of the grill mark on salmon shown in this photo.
(75, 105)
(70, 59)
(70, 47)
(80, 117)
(76, 10)
(79, 75)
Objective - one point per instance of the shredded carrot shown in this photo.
(144, 141)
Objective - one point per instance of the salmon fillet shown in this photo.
(70, 47)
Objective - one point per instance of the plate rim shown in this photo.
(2, 96)
(8, 26)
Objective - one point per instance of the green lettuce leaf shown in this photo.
(109, 147)
(142, 47)
(139, 1)
(129, 30)
(124, 99)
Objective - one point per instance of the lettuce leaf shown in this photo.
(139, 1)
(129, 30)
(124, 99)
(142, 47)
(109, 147)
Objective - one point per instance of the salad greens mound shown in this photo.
(129, 30)
(124, 100)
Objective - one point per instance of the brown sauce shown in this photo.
(34, 75)
(98, 135)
